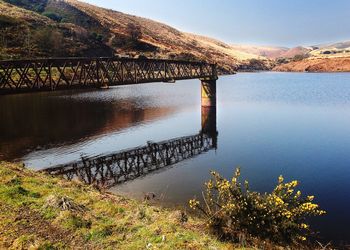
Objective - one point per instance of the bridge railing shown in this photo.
(109, 170)
(66, 73)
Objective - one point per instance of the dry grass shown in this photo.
(29, 218)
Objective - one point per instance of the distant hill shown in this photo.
(340, 49)
(57, 28)
(334, 64)
(269, 52)
(318, 58)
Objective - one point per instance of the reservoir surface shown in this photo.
(270, 124)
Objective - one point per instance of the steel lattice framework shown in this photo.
(70, 73)
(109, 170)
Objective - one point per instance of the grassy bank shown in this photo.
(41, 212)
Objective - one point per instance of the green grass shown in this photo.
(103, 220)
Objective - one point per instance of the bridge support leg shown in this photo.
(209, 124)
(208, 93)
(209, 110)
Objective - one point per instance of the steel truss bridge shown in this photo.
(72, 73)
(109, 170)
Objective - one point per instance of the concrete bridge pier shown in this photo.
(208, 110)
(209, 127)
(208, 92)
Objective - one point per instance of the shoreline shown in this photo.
(40, 211)
(277, 71)
(43, 212)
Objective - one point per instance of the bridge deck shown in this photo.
(72, 73)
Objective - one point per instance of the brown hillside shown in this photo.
(75, 28)
(164, 40)
(269, 52)
(294, 52)
(335, 64)
(70, 28)
(27, 34)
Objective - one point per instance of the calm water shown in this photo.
(293, 124)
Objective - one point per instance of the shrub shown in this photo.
(6, 21)
(96, 36)
(257, 64)
(49, 39)
(34, 5)
(299, 57)
(53, 16)
(134, 31)
(75, 222)
(186, 56)
(282, 60)
(233, 210)
(119, 41)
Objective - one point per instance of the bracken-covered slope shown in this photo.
(71, 28)
(27, 34)
(74, 28)
(160, 39)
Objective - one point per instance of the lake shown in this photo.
(294, 124)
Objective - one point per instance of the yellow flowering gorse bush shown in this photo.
(232, 210)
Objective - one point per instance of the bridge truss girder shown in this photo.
(71, 73)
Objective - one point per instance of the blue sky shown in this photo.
(264, 22)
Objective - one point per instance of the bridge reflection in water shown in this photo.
(109, 170)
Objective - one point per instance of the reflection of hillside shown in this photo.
(110, 169)
(120, 120)
(32, 121)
